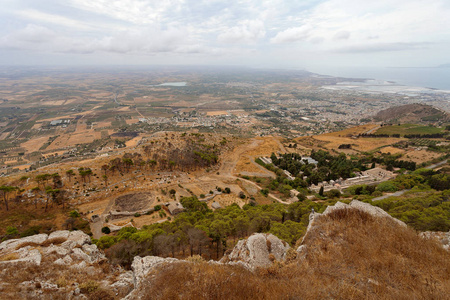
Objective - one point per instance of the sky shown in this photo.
(298, 34)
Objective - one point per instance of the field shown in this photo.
(408, 129)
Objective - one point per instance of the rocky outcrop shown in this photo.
(441, 237)
(355, 204)
(259, 250)
(66, 246)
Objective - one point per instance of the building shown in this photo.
(175, 207)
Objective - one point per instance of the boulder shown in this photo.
(93, 252)
(79, 237)
(259, 250)
(29, 256)
(142, 266)
(61, 234)
(57, 249)
(11, 245)
(67, 260)
(374, 211)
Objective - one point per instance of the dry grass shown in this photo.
(351, 255)
(9, 256)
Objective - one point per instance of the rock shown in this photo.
(331, 208)
(259, 250)
(58, 250)
(79, 237)
(11, 245)
(69, 245)
(61, 234)
(441, 237)
(79, 266)
(30, 256)
(79, 254)
(141, 266)
(93, 252)
(67, 260)
(374, 211)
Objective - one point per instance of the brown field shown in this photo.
(262, 146)
(132, 121)
(216, 113)
(420, 156)
(133, 142)
(227, 200)
(3, 135)
(391, 150)
(97, 207)
(34, 144)
(352, 131)
(361, 144)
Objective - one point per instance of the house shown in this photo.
(175, 207)
(216, 205)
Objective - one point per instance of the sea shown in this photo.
(434, 78)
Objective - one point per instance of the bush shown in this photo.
(241, 195)
(11, 230)
(74, 214)
(387, 186)
(106, 230)
(137, 215)
(157, 207)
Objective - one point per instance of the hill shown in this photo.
(349, 251)
(412, 113)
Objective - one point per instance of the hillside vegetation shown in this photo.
(351, 255)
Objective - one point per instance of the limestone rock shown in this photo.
(442, 237)
(58, 250)
(79, 237)
(11, 245)
(373, 210)
(67, 260)
(31, 256)
(259, 250)
(141, 266)
(61, 234)
(93, 252)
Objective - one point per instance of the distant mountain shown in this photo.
(412, 113)
(444, 66)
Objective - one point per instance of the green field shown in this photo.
(408, 129)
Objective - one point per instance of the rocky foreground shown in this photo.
(66, 265)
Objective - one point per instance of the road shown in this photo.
(437, 165)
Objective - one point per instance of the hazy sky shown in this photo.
(307, 34)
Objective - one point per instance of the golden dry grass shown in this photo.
(351, 255)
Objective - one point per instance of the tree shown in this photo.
(6, 189)
(105, 178)
(106, 230)
(69, 174)
(321, 191)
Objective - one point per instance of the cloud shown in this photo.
(137, 41)
(342, 35)
(382, 47)
(291, 35)
(247, 32)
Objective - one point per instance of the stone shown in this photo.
(331, 208)
(259, 250)
(141, 266)
(79, 266)
(441, 237)
(93, 252)
(77, 253)
(57, 249)
(79, 237)
(11, 245)
(32, 257)
(67, 260)
(374, 211)
(63, 234)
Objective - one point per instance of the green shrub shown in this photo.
(106, 230)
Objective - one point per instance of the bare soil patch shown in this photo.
(133, 202)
